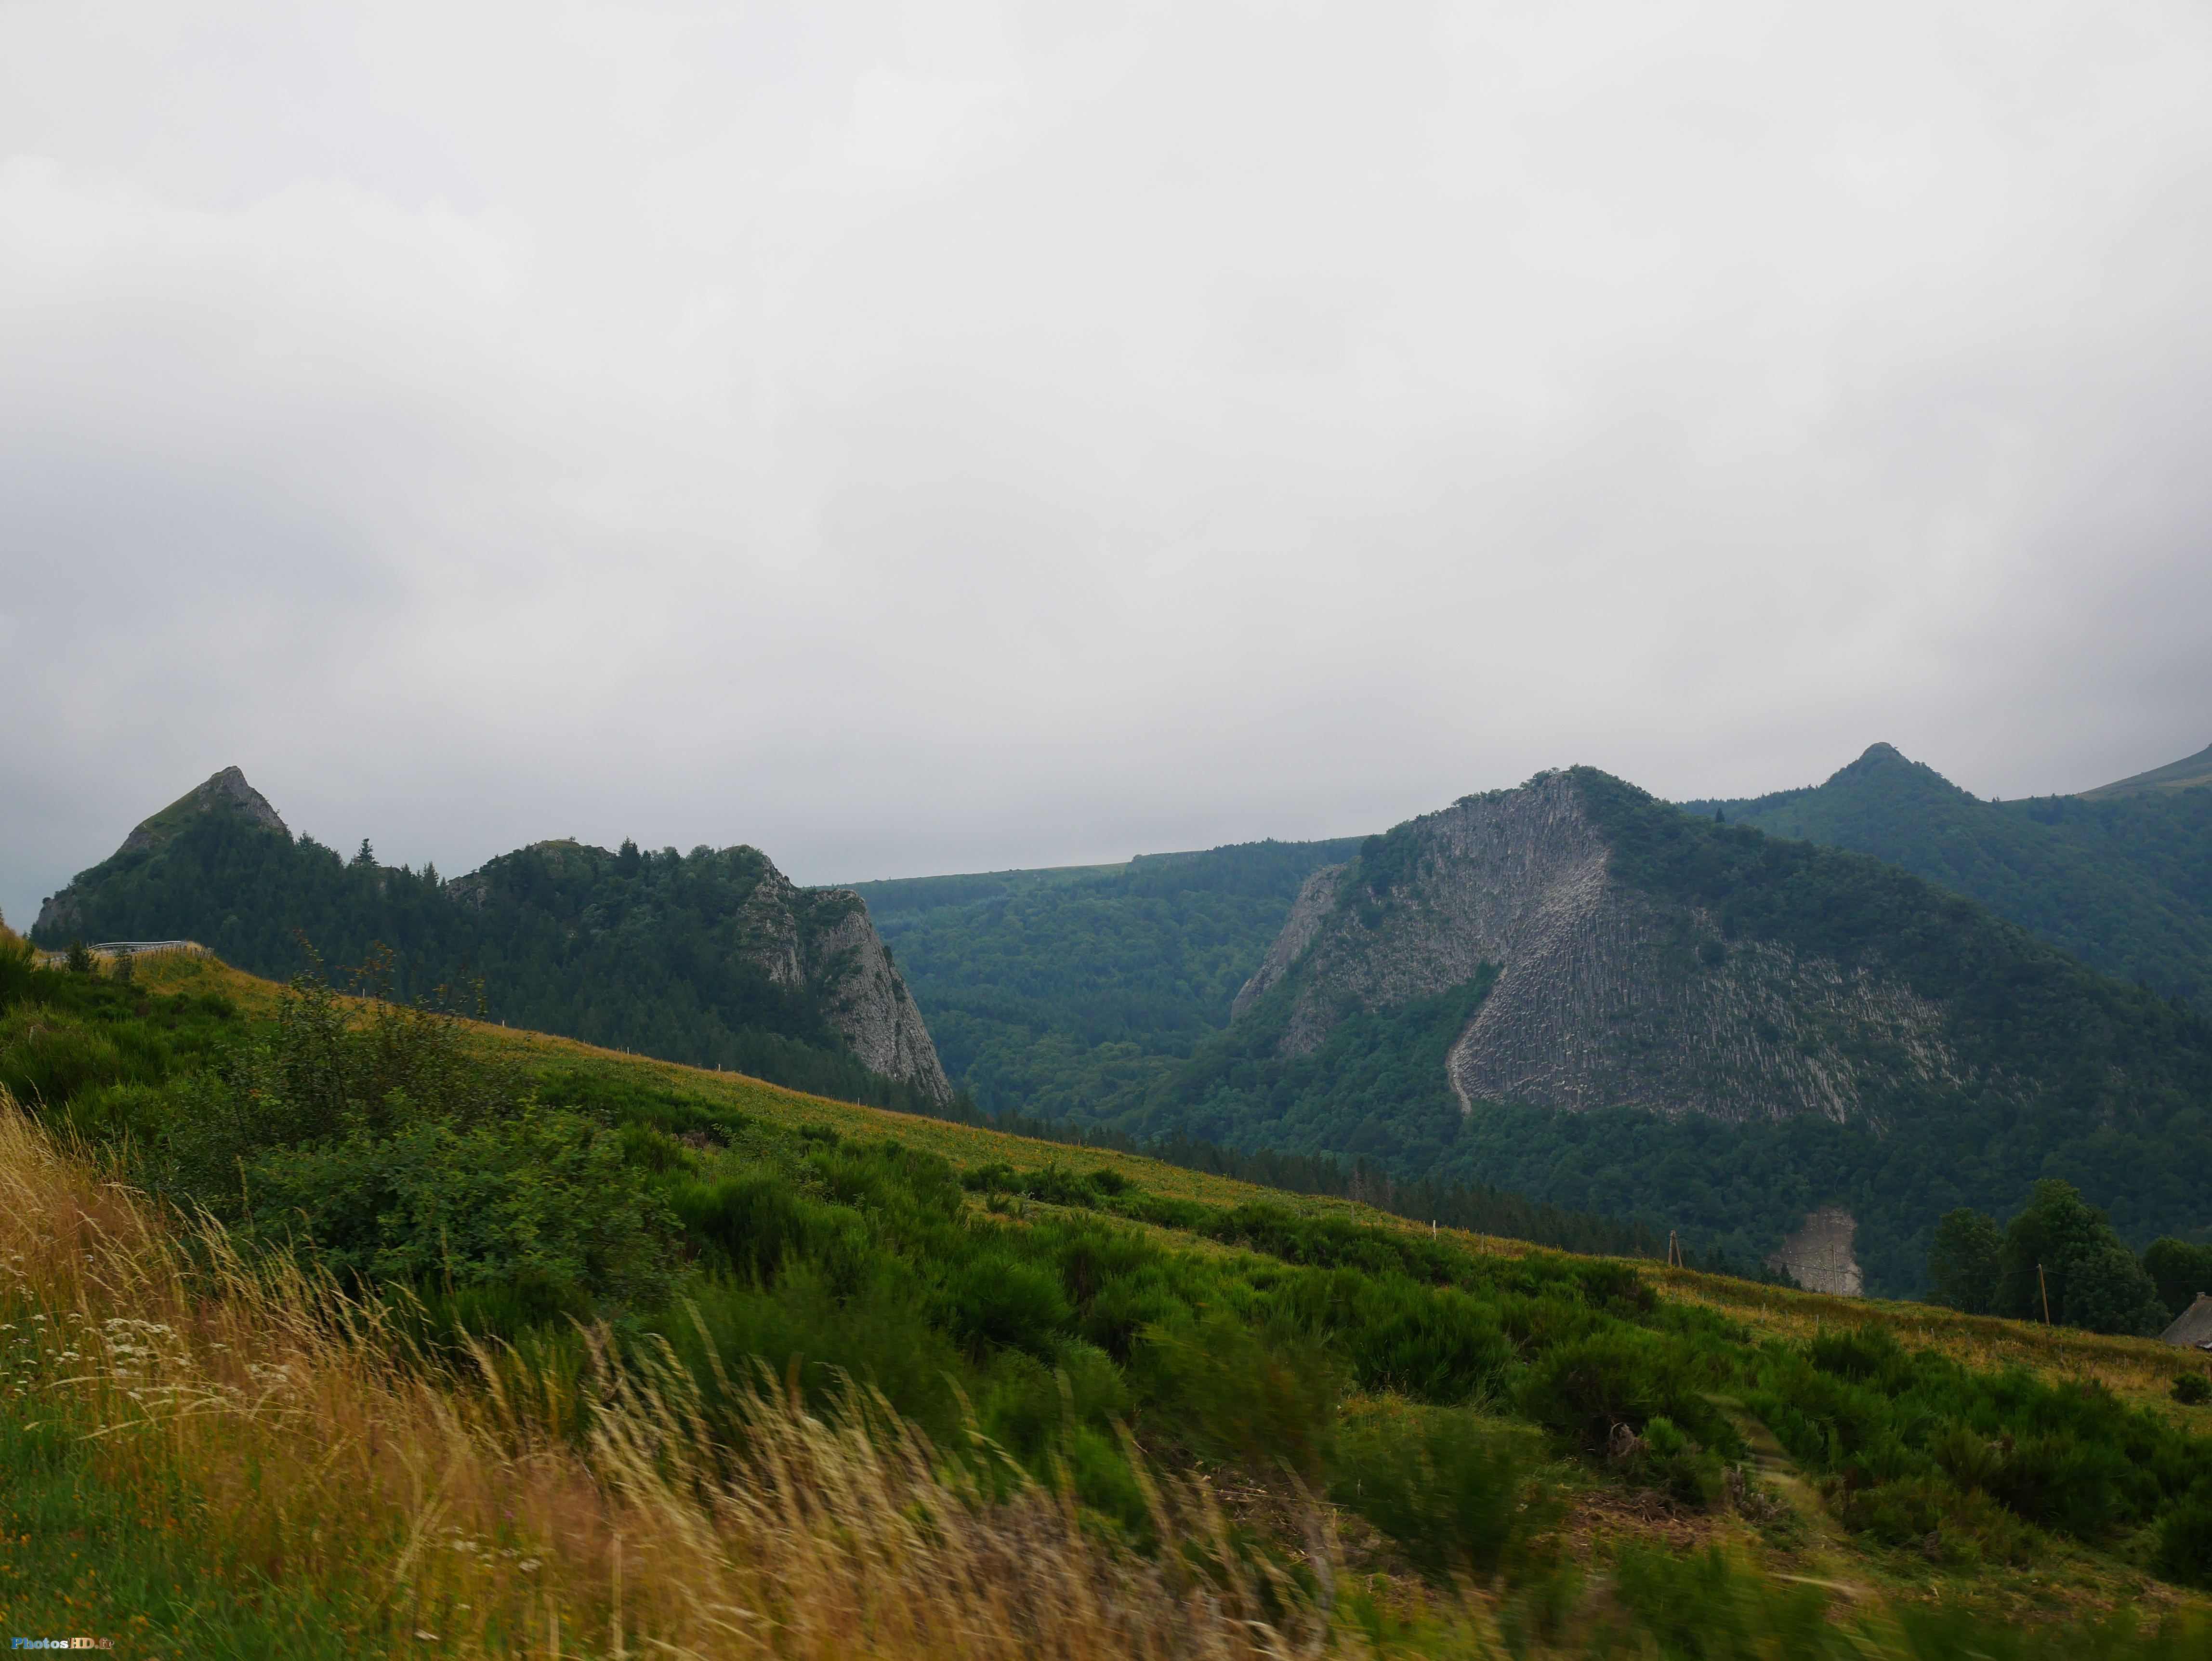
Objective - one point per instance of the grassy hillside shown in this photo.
(1118, 1408)
(2121, 877)
(2051, 1068)
(2190, 773)
(1060, 994)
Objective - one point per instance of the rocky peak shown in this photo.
(1604, 998)
(225, 791)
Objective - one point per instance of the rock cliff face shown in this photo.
(1317, 899)
(824, 937)
(1605, 998)
(817, 944)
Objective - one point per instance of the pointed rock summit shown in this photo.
(225, 791)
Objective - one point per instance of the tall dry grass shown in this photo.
(429, 1512)
(593, 1510)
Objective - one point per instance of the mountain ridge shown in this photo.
(1552, 987)
(2123, 882)
(714, 956)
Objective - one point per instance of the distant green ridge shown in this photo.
(2123, 881)
(1062, 993)
(2187, 774)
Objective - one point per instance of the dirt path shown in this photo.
(1825, 1552)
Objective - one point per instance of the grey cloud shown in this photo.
(1027, 438)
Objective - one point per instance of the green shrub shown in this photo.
(1708, 1606)
(2184, 1542)
(1265, 1399)
(750, 1222)
(878, 1336)
(1603, 1390)
(2192, 1389)
(1443, 1488)
(542, 1199)
(1000, 1299)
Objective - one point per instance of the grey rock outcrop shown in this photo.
(1317, 899)
(818, 942)
(825, 937)
(224, 791)
(1604, 998)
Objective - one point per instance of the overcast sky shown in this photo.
(929, 438)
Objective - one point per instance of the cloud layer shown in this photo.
(1022, 437)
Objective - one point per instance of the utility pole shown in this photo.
(2045, 1287)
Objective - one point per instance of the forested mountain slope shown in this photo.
(1577, 991)
(2121, 877)
(713, 958)
(1060, 994)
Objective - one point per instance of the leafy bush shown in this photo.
(1593, 1389)
(493, 1204)
(2192, 1389)
(999, 1300)
(1443, 1487)
(1265, 1399)
(2184, 1542)
(1915, 1443)
(1708, 1606)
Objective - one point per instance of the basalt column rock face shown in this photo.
(1604, 997)
(1317, 899)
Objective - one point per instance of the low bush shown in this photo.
(1444, 1489)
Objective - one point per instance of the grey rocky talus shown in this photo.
(1604, 997)
(1817, 1254)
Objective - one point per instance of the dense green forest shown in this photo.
(635, 949)
(1057, 994)
(1060, 1314)
(2123, 881)
(2120, 1101)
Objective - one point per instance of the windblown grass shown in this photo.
(278, 1440)
(202, 1455)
